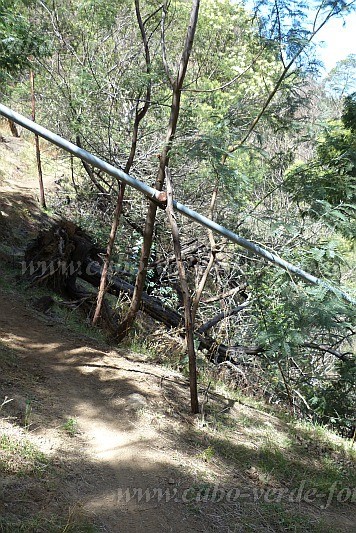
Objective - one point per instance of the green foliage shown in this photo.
(27, 414)
(349, 112)
(21, 457)
(43, 522)
(341, 80)
(296, 330)
(327, 183)
(92, 86)
(20, 38)
(290, 25)
(70, 427)
(207, 454)
(335, 402)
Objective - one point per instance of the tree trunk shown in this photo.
(72, 173)
(189, 325)
(126, 324)
(37, 142)
(89, 170)
(204, 278)
(13, 128)
(115, 223)
(91, 272)
(140, 114)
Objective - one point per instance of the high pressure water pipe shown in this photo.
(159, 197)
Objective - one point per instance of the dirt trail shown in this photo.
(18, 155)
(118, 405)
(66, 378)
(127, 422)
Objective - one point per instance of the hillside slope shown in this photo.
(94, 438)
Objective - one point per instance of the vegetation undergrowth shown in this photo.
(275, 448)
(232, 108)
(42, 523)
(20, 457)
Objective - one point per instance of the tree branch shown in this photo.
(326, 349)
(118, 208)
(163, 45)
(281, 78)
(164, 160)
(189, 323)
(221, 316)
(89, 171)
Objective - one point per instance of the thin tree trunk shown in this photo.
(140, 114)
(177, 85)
(72, 173)
(37, 142)
(204, 277)
(286, 385)
(109, 249)
(13, 128)
(189, 325)
(89, 171)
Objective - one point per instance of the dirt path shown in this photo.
(108, 396)
(107, 422)
(118, 405)
(19, 159)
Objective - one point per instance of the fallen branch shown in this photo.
(221, 316)
(227, 294)
(64, 253)
(326, 349)
(91, 272)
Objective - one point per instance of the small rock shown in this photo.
(136, 401)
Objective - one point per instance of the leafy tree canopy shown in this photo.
(19, 37)
(341, 80)
(327, 183)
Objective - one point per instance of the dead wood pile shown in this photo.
(65, 254)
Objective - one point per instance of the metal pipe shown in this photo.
(252, 247)
(153, 194)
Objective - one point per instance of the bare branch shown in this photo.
(213, 252)
(163, 45)
(188, 44)
(283, 75)
(221, 316)
(140, 114)
(228, 83)
(119, 204)
(227, 294)
(326, 349)
(89, 171)
(152, 14)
